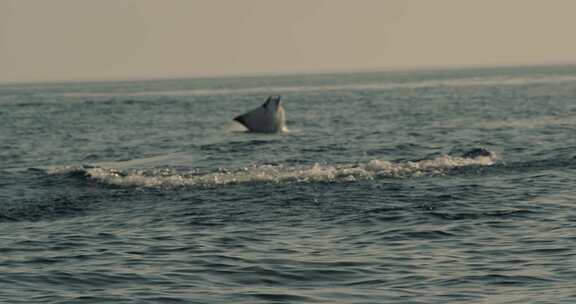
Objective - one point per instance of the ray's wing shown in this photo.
(267, 102)
(257, 120)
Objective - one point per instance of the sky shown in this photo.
(61, 40)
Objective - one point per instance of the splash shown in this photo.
(166, 178)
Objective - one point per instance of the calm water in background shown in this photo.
(146, 192)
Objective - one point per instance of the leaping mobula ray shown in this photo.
(267, 118)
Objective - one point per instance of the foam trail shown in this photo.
(374, 169)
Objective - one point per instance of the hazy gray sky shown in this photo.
(101, 39)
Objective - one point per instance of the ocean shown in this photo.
(435, 186)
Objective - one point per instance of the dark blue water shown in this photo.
(146, 192)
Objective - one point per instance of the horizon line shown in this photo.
(423, 68)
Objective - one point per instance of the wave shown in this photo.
(462, 82)
(163, 178)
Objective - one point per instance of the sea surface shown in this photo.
(437, 186)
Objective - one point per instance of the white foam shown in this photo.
(168, 178)
(63, 170)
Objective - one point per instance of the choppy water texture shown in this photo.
(146, 192)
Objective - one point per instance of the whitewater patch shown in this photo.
(166, 178)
